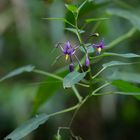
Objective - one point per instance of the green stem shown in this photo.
(64, 111)
(77, 93)
(48, 74)
(55, 76)
(98, 72)
(101, 94)
(78, 106)
(96, 90)
(83, 85)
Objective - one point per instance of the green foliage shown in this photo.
(73, 78)
(71, 8)
(28, 68)
(94, 19)
(61, 19)
(125, 86)
(73, 30)
(122, 80)
(27, 127)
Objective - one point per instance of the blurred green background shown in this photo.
(27, 38)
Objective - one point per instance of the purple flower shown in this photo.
(68, 50)
(87, 62)
(99, 46)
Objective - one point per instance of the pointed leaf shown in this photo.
(128, 93)
(82, 5)
(27, 127)
(73, 30)
(125, 86)
(71, 8)
(61, 19)
(127, 55)
(94, 19)
(73, 78)
(18, 71)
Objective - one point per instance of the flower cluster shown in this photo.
(69, 52)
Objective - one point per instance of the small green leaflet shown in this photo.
(73, 30)
(71, 8)
(94, 19)
(61, 19)
(27, 68)
(127, 55)
(72, 78)
(27, 127)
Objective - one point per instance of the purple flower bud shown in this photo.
(71, 67)
(87, 62)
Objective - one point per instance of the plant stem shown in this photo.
(64, 111)
(48, 74)
(55, 76)
(98, 72)
(77, 93)
(106, 84)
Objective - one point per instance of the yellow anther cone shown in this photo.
(67, 56)
(99, 50)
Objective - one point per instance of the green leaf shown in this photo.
(126, 76)
(27, 127)
(71, 8)
(61, 19)
(117, 63)
(94, 19)
(82, 5)
(130, 15)
(127, 55)
(73, 78)
(45, 92)
(128, 93)
(73, 30)
(125, 86)
(27, 68)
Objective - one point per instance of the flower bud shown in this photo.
(87, 61)
(71, 67)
